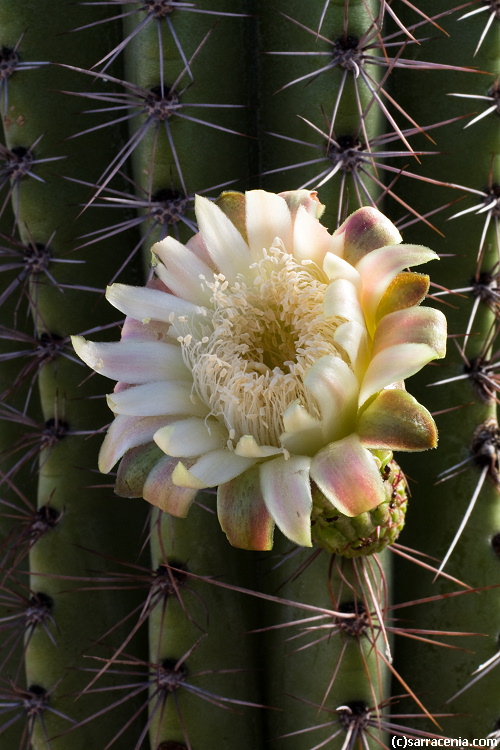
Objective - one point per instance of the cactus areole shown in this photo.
(267, 358)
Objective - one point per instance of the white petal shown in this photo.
(249, 447)
(147, 304)
(267, 217)
(191, 437)
(286, 490)
(341, 301)
(311, 240)
(303, 432)
(392, 364)
(338, 268)
(133, 361)
(353, 339)
(336, 389)
(197, 245)
(152, 331)
(152, 399)
(180, 270)
(226, 246)
(127, 432)
(211, 470)
(296, 418)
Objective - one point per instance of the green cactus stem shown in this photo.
(309, 74)
(209, 624)
(470, 159)
(320, 663)
(203, 134)
(46, 207)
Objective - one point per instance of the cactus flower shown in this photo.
(267, 358)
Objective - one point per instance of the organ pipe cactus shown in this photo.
(146, 145)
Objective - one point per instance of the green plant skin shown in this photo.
(81, 616)
(436, 511)
(300, 676)
(313, 99)
(94, 519)
(208, 154)
(141, 58)
(222, 620)
(89, 516)
(10, 433)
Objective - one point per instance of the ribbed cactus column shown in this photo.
(206, 627)
(15, 595)
(325, 666)
(318, 74)
(468, 427)
(79, 518)
(201, 133)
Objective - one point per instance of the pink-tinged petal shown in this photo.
(393, 364)
(226, 246)
(353, 339)
(211, 470)
(149, 330)
(198, 246)
(338, 268)
(311, 240)
(248, 446)
(414, 325)
(348, 476)
(147, 304)
(397, 421)
(152, 399)
(286, 490)
(243, 514)
(378, 269)
(191, 437)
(132, 361)
(160, 491)
(341, 301)
(267, 217)
(134, 468)
(180, 270)
(152, 331)
(406, 289)
(335, 388)
(366, 230)
(125, 433)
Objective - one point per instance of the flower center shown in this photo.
(263, 332)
